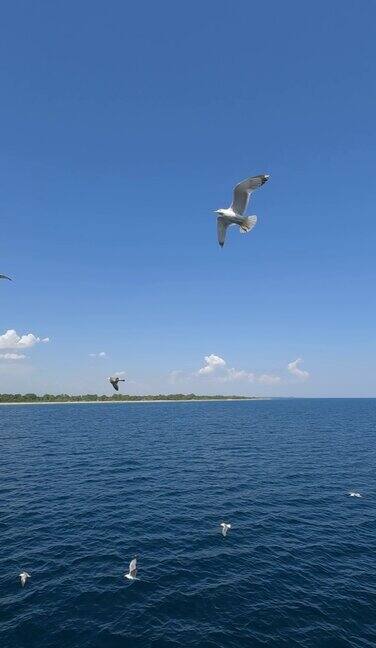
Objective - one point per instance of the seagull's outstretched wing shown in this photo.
(222, 225)
(243, 190)
(133, 568)
(5, 277)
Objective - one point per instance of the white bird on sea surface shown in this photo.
(234, 215)
(23, 577)
(225, 528)
(132, 574)
(354, 494)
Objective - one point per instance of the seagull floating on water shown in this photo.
(115, 382)
(23, 577)
(225, 528)
(132, 574)
(234, 215)
(354, 494)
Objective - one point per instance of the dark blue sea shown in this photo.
(85, 487)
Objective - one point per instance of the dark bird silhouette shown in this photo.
(115, 382)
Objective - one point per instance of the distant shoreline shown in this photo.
(127, 402)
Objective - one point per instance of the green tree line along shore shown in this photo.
(67, 398)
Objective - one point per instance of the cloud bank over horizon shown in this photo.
(12, 356)
(214, 375)
(215, 370)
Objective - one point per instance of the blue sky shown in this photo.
(124, 125)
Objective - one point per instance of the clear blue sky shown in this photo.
(124, 125)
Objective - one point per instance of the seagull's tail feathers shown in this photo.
(248, 224)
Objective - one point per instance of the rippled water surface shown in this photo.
(84, 487)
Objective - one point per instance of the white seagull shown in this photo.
(353, 494)
(24, 576)
(225, 528)
(234, 215)
(132, 574)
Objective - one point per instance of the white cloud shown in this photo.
(212, 362)
(119, 373)
(269, 379)
(101, 354)
(12, 356)
(293, 369)
(216, 367)
(11, 340)
(232, 375)
(216, 370)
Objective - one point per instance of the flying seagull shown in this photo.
(24, 576)
(115, 382)
(5, 277)
(132, 574)
(234, 215)
(225, 528)
(353, 494)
